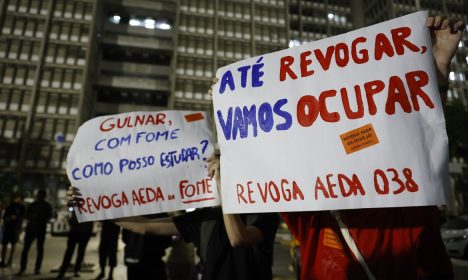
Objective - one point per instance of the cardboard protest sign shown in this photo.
(352, 121)
(142, 163)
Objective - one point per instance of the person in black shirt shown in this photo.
(12, 222)
(38, 214)
(79, 234)
(108, 248)
(242, 249)
(143, 254)
(223, 259)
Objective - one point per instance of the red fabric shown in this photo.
(396, 243)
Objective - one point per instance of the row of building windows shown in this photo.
(29, 6)
(34, 28)
(274, 16)
(234, 30)
(195, 46)
(194, 67)
(20, 50)
(270, 34)
(192, 90)
(50, 129)
(193, 24)
(63, 54)
(18, 75)
(197, 6)
(65, 9)
(11, 127)
(19, 26)
(62, 78)
(17, 100)
(69, 32)
(235, 51)
(28, 51)
(73, 9)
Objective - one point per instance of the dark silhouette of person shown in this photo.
(79, 234)
(12, 222)
(108, 248)
(38, 214)
(143, 254)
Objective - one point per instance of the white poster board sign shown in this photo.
(142, 163)
(352, 121)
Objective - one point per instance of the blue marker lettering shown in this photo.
(227, 79)
(74, 174)
(250, 118)
(265, 117)
(226, 125)
(238, 123)
(285, 115)
(257, 73)
(244, 70)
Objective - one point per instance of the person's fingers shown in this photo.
(213, 166)
(211, 171)
(214, 80)
(430, 22)
(437, 21)
(459, 26)
(445, 24)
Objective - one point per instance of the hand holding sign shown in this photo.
(352, 121)
(142, 163)
(445, 36)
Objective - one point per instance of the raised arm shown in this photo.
(445, 36)
(160, 226)
(140, 225)
(238, 233)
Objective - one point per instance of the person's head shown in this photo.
(41, 195)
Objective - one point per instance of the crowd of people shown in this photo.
(390, 243)
(142, 253)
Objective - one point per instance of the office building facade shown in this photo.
(65, 61)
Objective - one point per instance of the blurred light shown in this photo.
(163, 25)
(460, 44)
(149, 23)
(115, 19)
(293, 43)
(70, 209)
(452, 76)
(134, 22)
(190, 210)
(466, 59)
(331, 16)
